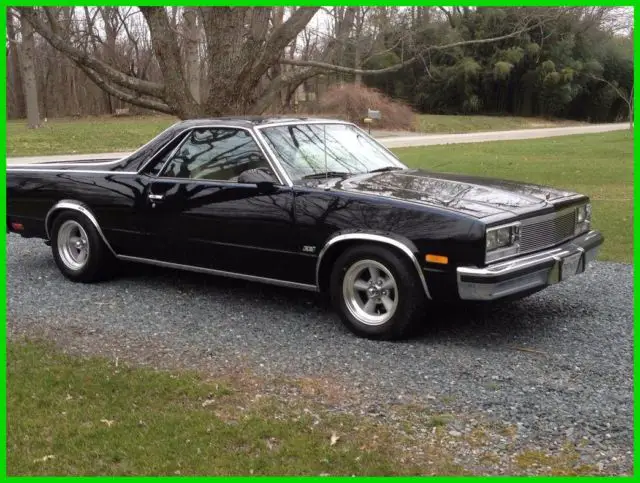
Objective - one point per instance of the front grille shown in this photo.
(547, 230)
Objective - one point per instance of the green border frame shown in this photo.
(494, 3)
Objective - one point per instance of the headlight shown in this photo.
(583, 218)
(502, 241)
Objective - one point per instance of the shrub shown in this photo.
(350, 102)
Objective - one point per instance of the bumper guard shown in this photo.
(529, 272)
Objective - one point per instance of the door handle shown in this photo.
(155, 197)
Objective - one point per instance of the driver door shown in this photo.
(206, 208)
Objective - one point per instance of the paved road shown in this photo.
(558, 365)
(390, 140)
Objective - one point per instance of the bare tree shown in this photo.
(28, 71)
(15, 95)
(192, 58)
(242, 50)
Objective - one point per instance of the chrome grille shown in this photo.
(547, 230)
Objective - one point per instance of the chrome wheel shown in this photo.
(73, 245)
(370, 292)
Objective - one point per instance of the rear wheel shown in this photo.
(78, 249)
(377, 292)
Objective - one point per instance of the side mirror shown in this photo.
(266, 186)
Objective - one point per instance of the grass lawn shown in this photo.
(103, 134)
(599, 165)
(110, 134)
(77, 416)
(433, 123)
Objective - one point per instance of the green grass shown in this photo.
(599, 165)
(85, 135)
(432, 123)
(110, 134)
(77, 416)
(68, 415)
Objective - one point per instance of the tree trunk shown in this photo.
(631, 109)
(14, 79)
(357, 63)
(192, 59)
(29, 81)
(109, 14)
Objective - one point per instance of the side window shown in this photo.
(220, 154)
(154, 167)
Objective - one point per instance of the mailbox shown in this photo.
(374, 114)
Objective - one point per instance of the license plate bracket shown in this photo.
(571, 265)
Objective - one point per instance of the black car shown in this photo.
(306, 203)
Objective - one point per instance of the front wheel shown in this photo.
(377, 292)
(78, 250)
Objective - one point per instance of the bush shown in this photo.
(350, 102)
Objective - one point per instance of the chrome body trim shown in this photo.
(80, 207)
(290, 122)
(83, 171)
(373, 238)
(525, 273)
(549, 216)
(210, 271)
(72, 163)
(274, 157)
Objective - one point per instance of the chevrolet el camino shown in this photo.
(312, 204)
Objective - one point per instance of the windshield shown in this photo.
(300, 148)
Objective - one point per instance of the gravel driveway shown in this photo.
(558, 364)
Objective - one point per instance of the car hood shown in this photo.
(475, 196)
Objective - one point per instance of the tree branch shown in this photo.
(131, 98)
(623, 95)
(281, 37)
(82, 59)
(412, 60)
(167, 51)
(283, 80)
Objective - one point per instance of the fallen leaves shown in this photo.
(108, 422)
(44, 458)
(334, 439)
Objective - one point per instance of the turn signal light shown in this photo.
(442, 260)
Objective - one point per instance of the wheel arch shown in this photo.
(338, 243)
(78, 206)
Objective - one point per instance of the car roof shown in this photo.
(246, 121)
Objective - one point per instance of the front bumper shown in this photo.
(530, 272)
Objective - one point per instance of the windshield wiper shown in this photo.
(328, 174)
(386, 168)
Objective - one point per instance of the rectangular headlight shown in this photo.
(583, 218)
(502, 241)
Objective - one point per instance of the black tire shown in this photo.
(410, 303)
(99, 261)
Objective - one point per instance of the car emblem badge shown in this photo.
(308, 249)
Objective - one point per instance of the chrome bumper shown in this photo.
(529, 272)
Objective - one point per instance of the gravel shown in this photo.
(558, 364)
